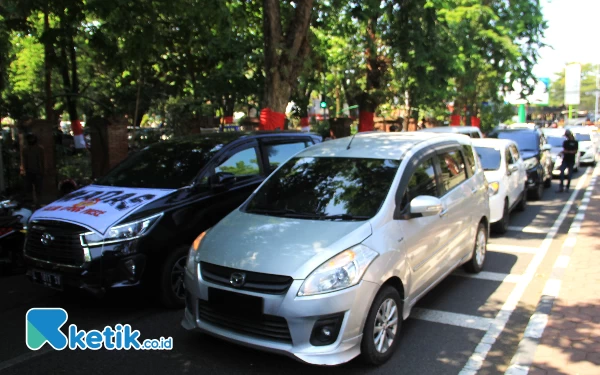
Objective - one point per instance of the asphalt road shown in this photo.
(441, 337)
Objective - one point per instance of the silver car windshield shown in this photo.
(326, 188)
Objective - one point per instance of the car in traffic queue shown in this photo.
(507, 178)
(471, 131)
(555, 138)
(588, 143)
(535, 152)
(329, 255)
(135, 224)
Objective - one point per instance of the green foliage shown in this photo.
(494, 114)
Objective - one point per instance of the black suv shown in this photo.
(135, 225)
(536, 154)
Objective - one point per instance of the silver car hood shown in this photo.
(277, 245)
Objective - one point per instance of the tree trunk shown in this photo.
(49, 102)
(284, 54)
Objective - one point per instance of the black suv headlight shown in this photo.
(123, 232)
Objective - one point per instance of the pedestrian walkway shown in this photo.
(571, 340)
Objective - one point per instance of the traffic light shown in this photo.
(323, 103)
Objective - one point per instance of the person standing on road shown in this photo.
(33, 165)
(570, 149)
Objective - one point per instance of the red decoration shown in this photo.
(365, 121)
(271, 120)
(304, 121)
(475, 121)
(76, 127)
(228, 119)
(455, 120)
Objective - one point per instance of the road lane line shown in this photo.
(525, 354)
(492, 276)
(529, 229)
(511, 248)
(450, 318)
(476, 360)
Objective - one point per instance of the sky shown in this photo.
(573, 33)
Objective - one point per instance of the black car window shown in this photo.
(490, 158)
(468, 153)
(453, 169)
(318, 188)
(242, 164)
(555, 141)
(582, 137)
(279, 153)
(475, 135)
(169, 165)
(422, 182)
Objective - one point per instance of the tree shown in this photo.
(284, 52)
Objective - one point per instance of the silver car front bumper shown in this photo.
(301, 314)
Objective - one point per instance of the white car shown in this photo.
(507, 177)
(588, 143)
(471, 131)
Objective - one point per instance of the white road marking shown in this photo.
(493, 276)
(529, 229)
(499, 323)
(511, 248)
(525, 354)
(453, 319)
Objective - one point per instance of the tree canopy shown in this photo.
(187, 58)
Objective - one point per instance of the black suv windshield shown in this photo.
(168, 165)
(490, 158)
(526, 140)
(326, 188)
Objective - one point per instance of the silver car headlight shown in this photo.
(124, 232)
(530, 163)
(342, 271)
(193, 253)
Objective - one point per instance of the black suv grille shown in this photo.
(64, 247)
(264, 326)
(255, 282)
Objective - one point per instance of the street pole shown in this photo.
(597, 94)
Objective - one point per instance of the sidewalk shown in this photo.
(571, 341)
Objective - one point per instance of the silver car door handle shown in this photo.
(444, 212)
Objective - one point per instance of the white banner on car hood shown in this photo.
(98, 207)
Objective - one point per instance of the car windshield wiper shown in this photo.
(282, 212)
(346, 217)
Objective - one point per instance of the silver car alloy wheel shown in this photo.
(177, 283)
(386, 325)
(480, 247)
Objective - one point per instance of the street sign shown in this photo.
(573, 84)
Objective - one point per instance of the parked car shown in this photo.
(555, 138)
(471, 131)
(535, 152)
(328, 256)
(507, 177)
(136, 224)
(588, 143)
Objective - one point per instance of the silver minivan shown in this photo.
(327, 257)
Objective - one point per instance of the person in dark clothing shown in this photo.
(570, 149)
(33, 165)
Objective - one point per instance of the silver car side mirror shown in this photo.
(426, 205)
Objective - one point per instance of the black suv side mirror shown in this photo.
(221, 181)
